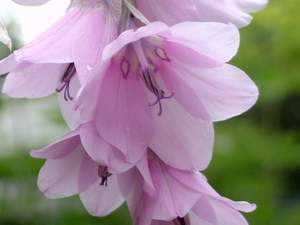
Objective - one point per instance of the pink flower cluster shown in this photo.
(140, 84)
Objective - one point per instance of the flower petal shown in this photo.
(88, 173)
(8, 64)
(33, 80)
(58, 178)
(215, 40)
(130, 36)
(101, 200)
(60, 148)
(180, 140)
(55, 44)
(88, 46)
(123, 116)
(213, 94)
(102, 152)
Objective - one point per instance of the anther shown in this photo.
(180, 221)
(153, 87)
(65, 82)
(125, 68)
(104, 174)
(161, 53)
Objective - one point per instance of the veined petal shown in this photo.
(214, 94)
(60, 148)
(217, 41)
(130, 36)
(33, 80)
(55, 44)
(123, 116)
(216, 213)
(58, 178)
(88, 173)
(101, 200)
(101, 151)
(8, 64)
(181, 140)
(251, 5)
(99, 29)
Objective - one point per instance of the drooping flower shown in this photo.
(226, 11)
(69, 170)
(158, 194)
(163, 86)
(63, 57)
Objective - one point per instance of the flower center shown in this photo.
(147, 72)
(104, 174)
(65, 82)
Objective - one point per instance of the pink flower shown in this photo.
(162, 86)
(227, 11)
(158, 194)
(69, 170)
(64, 57)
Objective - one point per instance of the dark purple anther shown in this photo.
(104, 175)
(152, 86)
(65, 82)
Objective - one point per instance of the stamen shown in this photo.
(153, 87)
(161, 53)
(179, 221)
(125, 68)
(104, 174)
(65, 82)
(147, 70)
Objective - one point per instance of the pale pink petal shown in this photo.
(130, 36)
(60, 148)
(99, 29)
(102, 152)
(102, 200)
(123, 116)
(143, 168)
(181, 140)
(215, 40)
(33, 80)
(223, 214)
(138, 201)
(8, 64)
(214, 94)
(58, 178)
(88, 173)
(251, 5)
(55, 44)
(226, 11)
(173, 197)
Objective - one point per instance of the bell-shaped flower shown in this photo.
(226, 11)
(158, 194)
(163, 86)
(69, 170)
(65, 56)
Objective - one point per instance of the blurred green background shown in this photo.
(257, 155)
